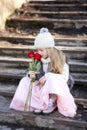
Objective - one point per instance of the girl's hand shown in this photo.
(42, 80)
(32, 74)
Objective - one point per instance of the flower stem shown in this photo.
(28, 99)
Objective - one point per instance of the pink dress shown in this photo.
(55, 84)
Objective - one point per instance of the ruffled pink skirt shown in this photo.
(55, 84)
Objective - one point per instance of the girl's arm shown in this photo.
(38, 76)
(66, 75)
(65, 72)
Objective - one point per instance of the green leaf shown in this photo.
(38, 66)
(30, 66)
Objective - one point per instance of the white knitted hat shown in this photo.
(44, 39)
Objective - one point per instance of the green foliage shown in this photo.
(35, 65)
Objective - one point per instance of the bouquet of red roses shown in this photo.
(35, 66)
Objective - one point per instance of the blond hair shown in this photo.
(57, 58)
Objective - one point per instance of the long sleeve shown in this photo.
(38, 76)
(65, 72)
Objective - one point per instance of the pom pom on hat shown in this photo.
(43, 30)
(44, 39)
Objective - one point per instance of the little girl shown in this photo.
(53, 90)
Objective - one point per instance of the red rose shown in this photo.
(37, 56)
(31, 54)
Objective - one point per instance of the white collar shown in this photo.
(45, 61)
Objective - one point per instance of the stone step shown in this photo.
(21, 51)
(46, 20)
(38, 22)
(28, 37)
(9, 59)
(53, 7)
(58, 15)
(12, 71)
(31, 47)
(59, 1)
(53, 20)
(54, 121)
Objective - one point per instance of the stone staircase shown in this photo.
(67, 20)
